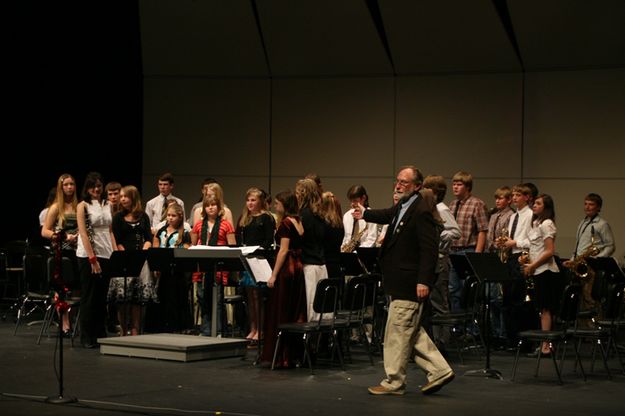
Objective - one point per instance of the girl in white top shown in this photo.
(542, 265)
(95, 245)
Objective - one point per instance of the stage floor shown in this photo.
(115, 385)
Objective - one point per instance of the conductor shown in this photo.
(408, 258)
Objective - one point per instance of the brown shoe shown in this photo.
(437, 384)
(381, 390)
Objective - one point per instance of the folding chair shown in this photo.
(324, 304)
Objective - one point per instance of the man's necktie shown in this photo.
(456, 208)
(514, 224)
(164, 210)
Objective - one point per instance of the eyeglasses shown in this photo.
(403, 182)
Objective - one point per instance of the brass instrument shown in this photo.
(580, 266)
(354, 241)
(524, 259)
(502, 251)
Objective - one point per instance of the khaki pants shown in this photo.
(404, 338)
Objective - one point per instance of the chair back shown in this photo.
(35, 274)
(326, 296)
(355, 300)
(569, 304)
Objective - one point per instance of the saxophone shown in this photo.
(354, 241)
(580, 266)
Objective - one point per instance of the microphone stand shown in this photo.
(62, 307)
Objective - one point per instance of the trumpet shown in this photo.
(502, 251)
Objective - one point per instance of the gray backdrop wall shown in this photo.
(259, 93)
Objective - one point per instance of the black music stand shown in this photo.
(171, 287)
(210, 260)
(609, 267)
(487, 267)
(461, 265)
(369, 258)
(351, 264)
(127, 263)
(607, 271)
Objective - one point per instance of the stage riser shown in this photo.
(173, 347)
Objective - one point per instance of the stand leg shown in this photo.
(60, 399)
(486, 371)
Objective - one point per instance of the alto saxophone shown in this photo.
(354, 241)
(579, 264)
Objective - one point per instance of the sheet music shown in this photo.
(260, 268)
(245, 250)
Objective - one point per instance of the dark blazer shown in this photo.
(409, 254)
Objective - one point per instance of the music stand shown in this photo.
(461, 265)
(369, 258)
(127, 263)
(608, 266)
(210, 259)
(352, 265)
(161, 259)
(487, 267)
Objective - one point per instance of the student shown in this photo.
(95, 246)
(358, 233)
(439, 295)
(516, 316)
(498, 231)
(172, 313)
(470, 214)
(313, 258)
(112, 190)
(132, 231)
(212, 188)
(592, 230)
(287, 294)
(61, 218)
(200, 201)
(333, 217)
(541, 265)
(255, 227)
(212, 230)
(49, 201)
(156, 207)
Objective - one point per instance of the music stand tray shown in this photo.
(127, 263)
(487, 267)
(160, 259)
(609, 266)
(461, 265)
(369, 258)
(351, 264)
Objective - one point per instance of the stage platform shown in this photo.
(174, 347)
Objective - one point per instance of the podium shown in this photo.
(211, 259)
(172, 313)
(487, 268)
